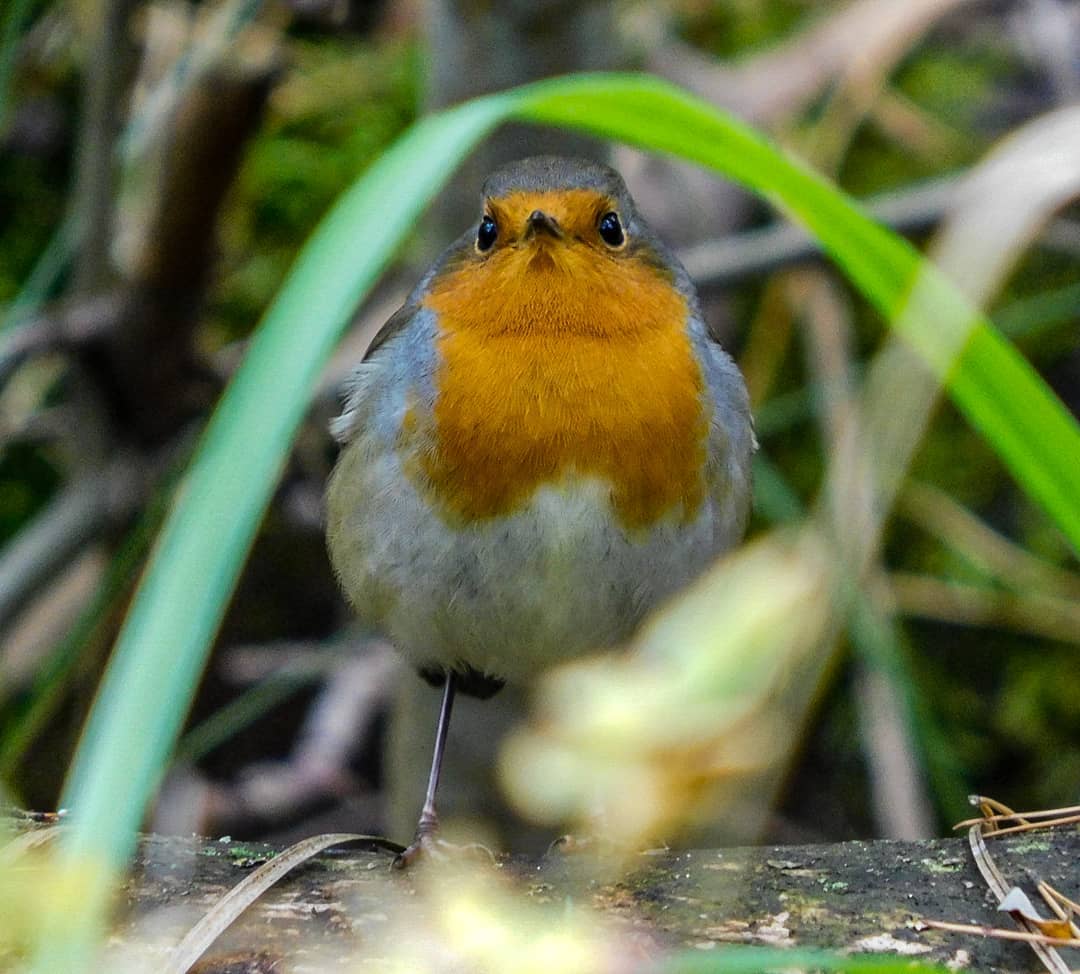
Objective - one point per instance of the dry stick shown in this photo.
(985, 803)
(901, 806)
(781, 81)
(1035, 939)
(1053, 899)
(863, 78)
(1030, 826)
(218, 123)
(1031, 613)
(1050, 958)
(850, 481)
(1058, 901)
(1013, 816)
(716, 263)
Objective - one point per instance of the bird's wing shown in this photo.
(389, 328)
(359, 384)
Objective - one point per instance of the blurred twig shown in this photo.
(47, 620)
(719, 262)
(863, 77)
(107, 67)
(80, 514)
(222, 24)
(922, 135)
(357, 690)
(1048, 31)
(789, 77)
(136, 337)
(85, 642)
(978, 605)
(998, 210)
(943, 518)
(902, 809)
(69, 327)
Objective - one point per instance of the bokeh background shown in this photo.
(162, 162)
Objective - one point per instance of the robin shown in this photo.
(540, 447)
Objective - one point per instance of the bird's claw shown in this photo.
(429, 847)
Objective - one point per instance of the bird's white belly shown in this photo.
(510, 595)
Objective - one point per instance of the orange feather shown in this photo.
(558, 358)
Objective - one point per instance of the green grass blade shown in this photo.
(162, 647)
(762, 960)
(1026, 317)
(999, 392)
(241, 712)
(161, 650)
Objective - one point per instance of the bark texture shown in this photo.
(348, 907)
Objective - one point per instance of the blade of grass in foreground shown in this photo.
(761, 960)
(163, 645)
(160, 653)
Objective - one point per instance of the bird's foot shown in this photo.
(427, 846)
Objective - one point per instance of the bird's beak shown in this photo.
(540, 222)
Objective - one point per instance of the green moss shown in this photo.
(943, 867)
(1021, 846)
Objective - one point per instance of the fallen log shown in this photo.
(347, 909)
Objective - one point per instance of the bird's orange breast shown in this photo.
(557, 361)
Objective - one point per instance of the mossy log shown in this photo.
(347, 909)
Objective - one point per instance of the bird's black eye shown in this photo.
(611, 230)
(485, 236)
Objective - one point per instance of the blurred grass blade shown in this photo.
(163, 645)
(762, 960)
(14, 19)
(1030, 316)
(241, 712)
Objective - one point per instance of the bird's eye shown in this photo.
(611, 231)
(485, 236)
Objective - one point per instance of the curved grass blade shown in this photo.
(997, 389)
(228, 909)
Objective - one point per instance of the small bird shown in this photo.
(541, 446)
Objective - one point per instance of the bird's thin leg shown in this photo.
(429, 819)
(428, 826)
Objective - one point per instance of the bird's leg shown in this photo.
(429, 818)
(428, 826)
